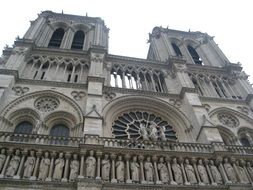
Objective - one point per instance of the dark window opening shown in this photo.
(42, 76)
(194, 81)
(24, 127)
(60, 133)
(176, 49)
(35, 74)
(76, 78)
(245, 142)
(195, 55)
(78, 40)
(56, 38)
(69, 77)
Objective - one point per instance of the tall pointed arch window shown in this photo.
(176, 50)
(78, 40)
(194, 55)
(56, 38)
(24, 127)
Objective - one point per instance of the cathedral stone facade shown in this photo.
(73, 116)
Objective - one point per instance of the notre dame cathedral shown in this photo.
(73, 116)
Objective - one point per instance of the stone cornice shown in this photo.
(225, 100)
(133, 91)
(52, 83)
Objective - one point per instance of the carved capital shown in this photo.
(99, 154)
(127, 156)
(168, 159)
(141, 158)
(113, 156)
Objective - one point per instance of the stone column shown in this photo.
(81, 175)
(181, 161)
(51, 168)
(35, 171)
(194, 161)
(99, 154)
(113, 178)
(66, 168)
(21, 164)
(9, 152)
(157, 181)
(206, 161)
(172, 182)
(222, 171)
(127, 158)
(142, 177)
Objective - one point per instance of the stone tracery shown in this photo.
(142, 125)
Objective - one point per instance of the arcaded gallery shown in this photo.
(73, 116)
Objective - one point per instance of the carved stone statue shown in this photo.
(250, 169)
(90, 165)
(120, 167)
(177, 171)
(134, 167)
(162, 133)
(152, 131)
(2, 159)
(190, 173)
(143, 131)
(241, 173)
(106, 165)
(13, 165)
(215, 173)
(230, 171)
(202, 172)
(58, 167)
(44, 167)
(74, 168)
(163, 171)
(149, 170)
(29, 165)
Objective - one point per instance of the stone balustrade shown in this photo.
(25, 157)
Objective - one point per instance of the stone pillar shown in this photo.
(233, 160)
(142, 177)
(21, 164)
(243, 164)
(206, 161)
(99, 154)
(194, 161)
(113, 178)
(127, 158)
(35, 171)
(9, 152)
(66, 169)
(222, 171)
(181, 161)
(157, 181)
(81, 174)
(172, 181)
(51, 168)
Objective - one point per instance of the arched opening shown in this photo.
(176, 50)
(60, 134)
(59, 130)
(25, 127)
(56, 38)
(244, 141)
(78, 40)
(195, 55)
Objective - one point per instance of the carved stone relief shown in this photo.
(46, 104)
(243, 109)
(78, 95)
(19, 90)
(109, 95)
(228, 120)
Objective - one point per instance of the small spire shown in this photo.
(62, 11)
(86, 14)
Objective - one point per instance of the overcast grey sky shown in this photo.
(130, 21)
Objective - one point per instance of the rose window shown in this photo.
(228, 120)
(46, 104)
(142, 126)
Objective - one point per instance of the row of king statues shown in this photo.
(48, 166)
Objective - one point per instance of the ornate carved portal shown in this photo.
(141, 125)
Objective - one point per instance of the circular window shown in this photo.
(142, 125)
(228, 120)
(46, 104)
